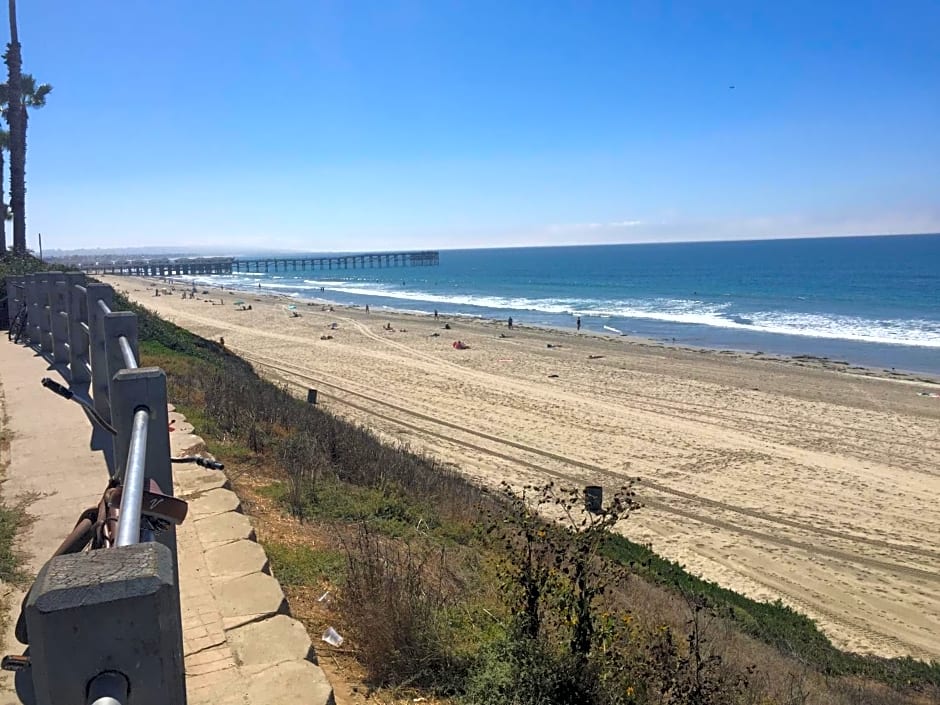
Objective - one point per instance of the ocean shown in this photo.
(871, 301)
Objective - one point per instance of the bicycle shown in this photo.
(96, 527)
(18, 324)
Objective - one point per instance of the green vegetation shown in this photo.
(9, 561)
(386, 510)
(774, 623)
(463, 591)
(14, 263)
(302, 565)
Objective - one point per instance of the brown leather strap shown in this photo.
(157, 505)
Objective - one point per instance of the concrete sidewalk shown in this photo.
(240, 644)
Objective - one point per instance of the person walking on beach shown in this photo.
(509, 323)
(578, 323)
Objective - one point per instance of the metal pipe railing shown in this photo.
(105, 309)
(130, 362)
(108, 688)
(134, 474)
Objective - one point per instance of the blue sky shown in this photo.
(373, 125)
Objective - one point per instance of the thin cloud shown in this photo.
(568, 227)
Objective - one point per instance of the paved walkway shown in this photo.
(240, 644)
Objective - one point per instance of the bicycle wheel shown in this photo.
(17, 325)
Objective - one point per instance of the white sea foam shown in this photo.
(326, 282)
(922, 333)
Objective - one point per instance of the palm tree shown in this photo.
(32, 96)
(16, 119)
(4, 144)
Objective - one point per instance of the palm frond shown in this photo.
(34, 95)
(38, 99)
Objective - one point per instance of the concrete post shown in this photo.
(111, 610)
(58, 324)
(78, 340)
(32, 294)
(11, 298)
(130, 390)
(117, 324)
(11, 309)
(96, 348)
(16, 293)
(45, 329)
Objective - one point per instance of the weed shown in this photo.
(398, 596)
(303, 565)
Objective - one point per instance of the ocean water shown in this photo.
(872, 301)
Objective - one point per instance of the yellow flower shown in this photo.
(630, 691)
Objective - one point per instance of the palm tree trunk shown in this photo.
(3, 210)
(16, 117)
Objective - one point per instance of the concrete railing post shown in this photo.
(45, 320)
(16, 295)
(130, 390)
(58, 323)
(32, 321)
(20, 286)
(78, 339)
(96, 347)
(113, 610)
(12, 297)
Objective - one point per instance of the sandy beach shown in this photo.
(799, 480)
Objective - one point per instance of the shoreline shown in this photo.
(804, 360)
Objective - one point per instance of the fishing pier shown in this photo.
(184, 266)
(426, 258)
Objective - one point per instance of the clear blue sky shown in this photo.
(354, 125)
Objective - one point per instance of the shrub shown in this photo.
(396, 598)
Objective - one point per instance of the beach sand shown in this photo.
(801, 480)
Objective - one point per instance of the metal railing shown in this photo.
(72, 323)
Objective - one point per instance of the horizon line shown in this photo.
(184, 249)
